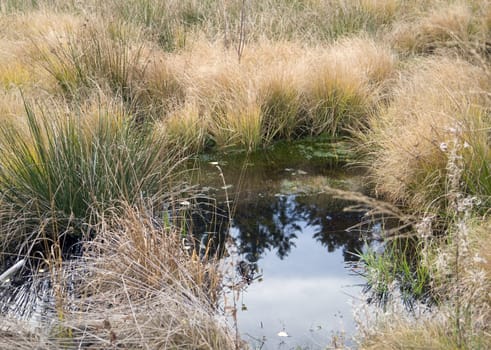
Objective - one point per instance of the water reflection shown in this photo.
(287, 227)
(272, 223)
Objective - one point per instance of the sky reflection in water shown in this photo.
(298, 241)
(301, 248)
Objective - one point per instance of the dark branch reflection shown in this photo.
(273, 223)
(269, 223)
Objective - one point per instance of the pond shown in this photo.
(296, 237)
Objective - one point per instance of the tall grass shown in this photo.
(96, 55)
(52, 180)
(282, 108)
(137, 286)
(133, 84)
(409, 138)
(446, 25)
(456, 275)
(345, 84)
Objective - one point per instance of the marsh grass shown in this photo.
(96, 55)
(131, 85)
(136, 286)
(344, 87)
(284, 114)
(444, 26)
(185, 128)
(454, 272)
(399, 264)
(438, 98)
(52, 181)
(246, 101)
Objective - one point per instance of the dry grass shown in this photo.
(185, 127)
(307, 68)
(135, 287)
(436, 99)
(344, 84)
(446, 25)
(460, 279)
(398, 334)
(283, 90)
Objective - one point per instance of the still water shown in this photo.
(293, 236)
(297, 238)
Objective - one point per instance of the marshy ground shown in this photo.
(103, 103)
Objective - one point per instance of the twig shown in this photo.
(12, 270)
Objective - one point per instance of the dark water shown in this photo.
(296, 236)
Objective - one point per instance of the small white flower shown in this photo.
(479, 260)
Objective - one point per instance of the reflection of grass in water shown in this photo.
(305, 184)
(399, 263)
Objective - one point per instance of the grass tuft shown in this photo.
(53, 179)
(409, 139)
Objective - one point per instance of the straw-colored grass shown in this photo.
(285, 90)
(437, 100)
(446, 25)
(185, 128)
(129, 85)
(137, 286)
(344, 84)
(460, 282)
(431, 335)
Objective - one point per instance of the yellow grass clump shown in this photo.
(446, 25)
(399, 334)
(344, 84)
(440, 104)
(283, 90)
(185, 127)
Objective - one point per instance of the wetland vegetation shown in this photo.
(103, 106)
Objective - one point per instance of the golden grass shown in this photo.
(12, 108)
(43, 24)
(482, 240)
(460, 278)
(445, 25)
(284, 89)
(431, 335)
(185, 128)
(308, 67)
(280, 98)
(343, 84)
(437, 99)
